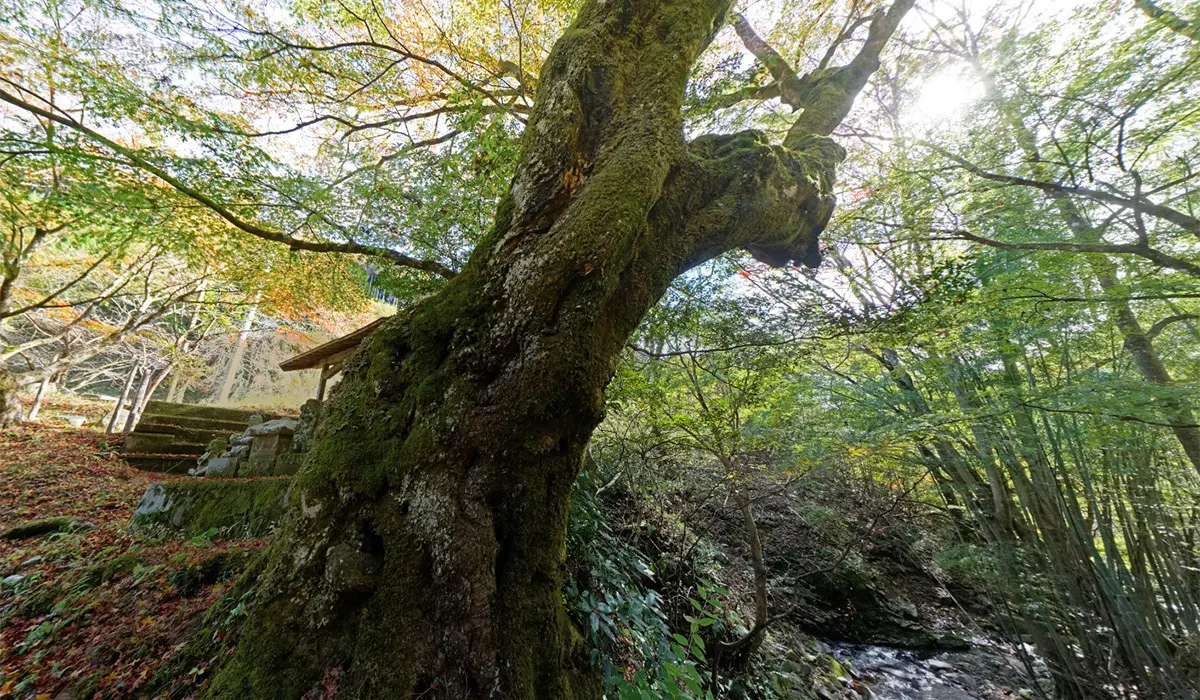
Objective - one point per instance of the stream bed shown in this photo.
(987, 671)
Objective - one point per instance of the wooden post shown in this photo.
(321, 386)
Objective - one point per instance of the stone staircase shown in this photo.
(170, 436)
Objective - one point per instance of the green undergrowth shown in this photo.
(613, 594)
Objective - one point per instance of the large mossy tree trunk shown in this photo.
(425, 554)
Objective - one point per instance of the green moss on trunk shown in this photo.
(424, 551)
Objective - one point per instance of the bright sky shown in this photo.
(947, 93)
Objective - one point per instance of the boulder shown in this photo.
(220, 466)
(153, 501)
(74, 421)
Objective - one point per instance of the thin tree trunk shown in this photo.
(112, 422)
(131, 419)
(153, 387)
(175, 387)
(37, 400)
(1136, 342)
(235, 360)
(10, 403)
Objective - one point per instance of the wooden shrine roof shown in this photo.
(320, 355)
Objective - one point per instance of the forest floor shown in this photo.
(92, 610)
(95, 612)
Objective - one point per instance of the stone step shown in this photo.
(161, 443)
(161, 463)
(188, 410)
(180, 424)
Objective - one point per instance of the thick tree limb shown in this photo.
(1169, 19)
(137, 160)
(826, 94)
(834, 90)
(789, 85)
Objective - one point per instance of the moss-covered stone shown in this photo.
(222, 509)
(46, 526)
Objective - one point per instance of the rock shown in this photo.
(155, 500)
(74, 421)
(279, 426)
(122, 416)
(32, 561)
(939, 665)
(234, 508)
(220, 466)
(46, 526)
(799, 668)
(12, 580)
(289, 464)
(904, 608)
(257, 466)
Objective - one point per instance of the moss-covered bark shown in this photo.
(424, 554)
